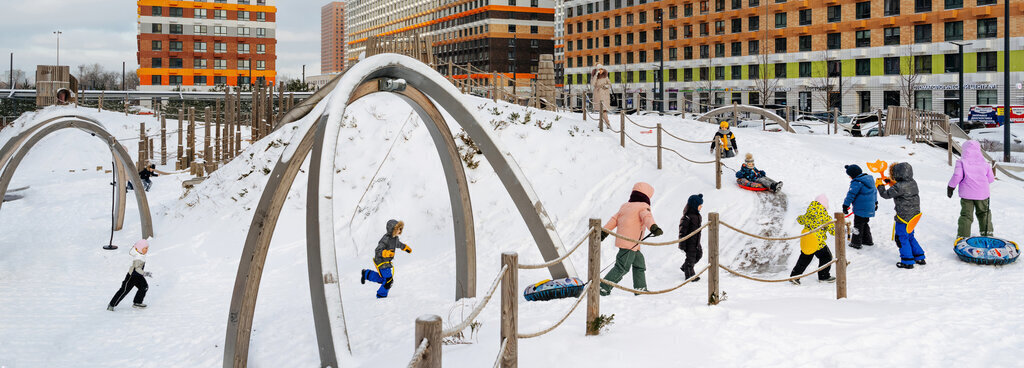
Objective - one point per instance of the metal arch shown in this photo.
(748, 109)
(15, 151)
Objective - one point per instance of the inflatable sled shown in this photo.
(985, 250)
(749, 185)
(554, 289)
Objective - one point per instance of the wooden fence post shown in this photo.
(99, 106)
(150, 149)
(713, 295)
(881, 126)
(181, 151)
(949, 146)
(143, 145)
(494, 84)
(659, 146)
(510, 309)
(622, 128)
(718, 166)
(840, 255)
(207, 147)
(594, 276)
(163, 140)
(429, 327)
(600, 122)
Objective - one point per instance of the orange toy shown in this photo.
(879, 167)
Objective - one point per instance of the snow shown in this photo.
(56, 280)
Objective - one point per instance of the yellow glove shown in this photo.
(387, 253)
(408, 249)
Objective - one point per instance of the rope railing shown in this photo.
(559, 259)
(686, 140)
(638, 143)
(501, 353)
(655, 292)
(586, 289)
(808, 233)
(829, 264)
(417, 356)
(657, 244)
(479, 307)
(686, 158)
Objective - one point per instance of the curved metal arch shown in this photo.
(15, 150)
(315, 129)
(747, 109)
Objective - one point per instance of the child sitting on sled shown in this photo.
(382, 257)
(749, 175)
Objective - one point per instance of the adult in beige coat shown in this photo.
(602, 88)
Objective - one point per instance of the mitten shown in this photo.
(408, 249)
(949, 192)
(846, 209)
(603, 235)
(656, 231)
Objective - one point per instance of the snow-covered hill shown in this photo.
(55, 280)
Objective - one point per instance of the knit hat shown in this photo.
(695, 201)
(141, 244)
(750, 157)
(724, 125)
(853, 171)
(644, 188)
(821, 198)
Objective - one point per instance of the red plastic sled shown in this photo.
(751, 186)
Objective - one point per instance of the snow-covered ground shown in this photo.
(55, 280)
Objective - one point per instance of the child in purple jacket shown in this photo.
(972, 175)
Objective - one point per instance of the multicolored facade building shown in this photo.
(505, 36)
(199, 45)
(332, 38)
(816, 55)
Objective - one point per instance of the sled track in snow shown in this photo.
(766, 256)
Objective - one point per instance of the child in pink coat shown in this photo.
(632, 219)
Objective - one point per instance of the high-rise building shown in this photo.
(850, 55)
(197, 45)
(492, 35)
(332, 38)
(559, 56)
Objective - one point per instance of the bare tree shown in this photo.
(93, 76)
(20, 80)
(706, 83)
(826, 83)
(910, 76)
(131, 80)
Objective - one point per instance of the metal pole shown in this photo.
(961, 73)
(661, 71)
(123, 88)
(58, 33)
(515, 40)
(1006, 81)
(11, 86)
(303, 74)
(113, 187)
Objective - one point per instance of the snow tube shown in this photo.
(554, 289)
(749, 185)
(986, 250)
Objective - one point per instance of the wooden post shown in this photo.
(163, 140)
(594, 276)
(207, 147)
(718, 167)
(659, 146)
(429, 327)
(881, 127)
(191, 147)
(713, 295)
(181, 152)
(99, 106)
(216, 130)
(840, 255)
(949, 146)
(150, 149)
(735, 113)
(143, 145)
(510, 310)
(494, 84)
(600, 122)
(622, 127)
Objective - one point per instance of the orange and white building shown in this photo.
(200, 45)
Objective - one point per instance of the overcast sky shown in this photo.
(104, 31)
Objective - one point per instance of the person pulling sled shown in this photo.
(631, 221)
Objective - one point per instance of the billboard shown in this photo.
(992, 115)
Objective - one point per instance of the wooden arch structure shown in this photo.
(735, 109)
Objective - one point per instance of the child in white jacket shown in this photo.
(136, 277)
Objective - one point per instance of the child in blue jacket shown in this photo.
(752, 174)
(382, 257)
(864, 198)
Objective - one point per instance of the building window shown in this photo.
(199, 47)
(752, 71)
(736, 72)
(805, 43)
(533, 29)
(987, 28)
(923, 64)
(512, 28)
(261, 64)
(922, 6)
(780, 70)
(720, 50)
(737, 48)
(753, 3)
(805, 69)
(835, 13)
(954, 31)
(177, 29)
(891, 65)
(156, 80)
(719, 73)
(780, 20)
(753, 23)
(753, 47)
(157, 63)
(865, 101)
(243, 64)
(720, 27)
(952, 63)
(199, 13)
(198, 63)
(261, 32)
(986, 2)
(891, 8)
(890, 98)
(158, 11)
(220, 80)
(780, 97)
(157, 46)
(243, 31)
(864, 10)
(687, 53)
(835, 68)
(177, 12)
(863, 66)
(834, 41)
(243, 48)
(923, 33)
(704, 73)
(780, 45)
(175, 63)
(863, 39)
(688, 75)
(199, 29)
(805, 17)
(220, 64)
(892, 36)
(175, 46)
(244, 15)
(220, 47)
(737, 25)
(220, 14)
(199, 80)
(988, 97)
(220, 30)
(954, 4)
(157, 28)
(804, 98)
(987, 61)
(923, 100)
(261, 17)
(175, 80)
(705, 51)
(687, 10)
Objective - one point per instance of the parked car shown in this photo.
(859, 125)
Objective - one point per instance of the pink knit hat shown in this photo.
(821, 198)
(644, 188)
(141, 244)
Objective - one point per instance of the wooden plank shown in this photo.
(840, 255)
(713, 295)
(510, 310)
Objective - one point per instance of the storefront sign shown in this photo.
(992, 116)
(953, 87)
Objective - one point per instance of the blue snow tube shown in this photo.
(554, 289)
(986, 250)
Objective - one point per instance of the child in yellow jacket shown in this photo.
(814, 246)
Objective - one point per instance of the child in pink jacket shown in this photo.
(631, 221)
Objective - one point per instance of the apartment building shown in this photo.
(495, 35)
(199, 45)
(813, 55)
(332, 38)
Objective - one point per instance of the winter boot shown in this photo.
(362, 278)
(795, 281)
(641, 289)
(139, 305)
(110, 307)
(921, 262)
(777, 187)
(855, 246)
(906, 266)
(830, 279)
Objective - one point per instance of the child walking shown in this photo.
(136, 277)
(382, 257)
(815, 246)
(904, 193)
(690, 222)
(631, 220)
(864, 198)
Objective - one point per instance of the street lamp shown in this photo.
(659, 17)
(58, 33)
(960, 47)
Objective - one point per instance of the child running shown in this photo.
(631, 220)
(382, 257)
(136, 277)
(904, 193)
(815, 246)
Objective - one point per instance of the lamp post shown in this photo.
(659, 16)
(1006, 80)
(960, 48)
(58, 33)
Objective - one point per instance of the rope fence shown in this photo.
(811, 232)
(417, 356)
(560, 321)
(559, 259)
(479, 307)
(727, 269)
(655, 292)
(657, 244)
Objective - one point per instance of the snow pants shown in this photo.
(982, 210)
(728, 153)
(384, 277)
(910, 250)
(624, 261)
(693, 255)
(767, 182)
(131, 280)
(146, 183)
(861, 232)
(824, 256)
